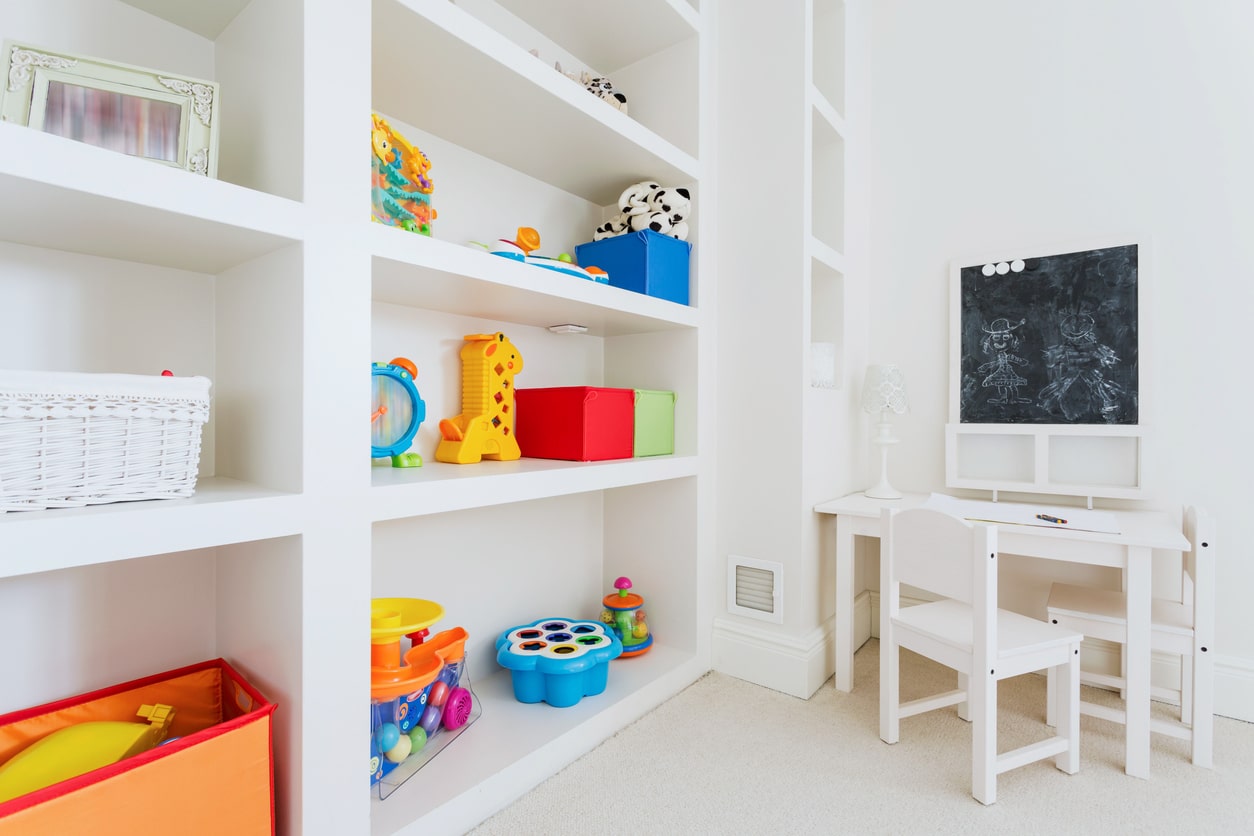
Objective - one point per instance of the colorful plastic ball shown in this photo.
(565, 258)
(417, 739)
(386, 735)
(400, 751)
(431, 719)
(450, 675)
(439, 693)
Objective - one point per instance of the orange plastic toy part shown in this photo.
(392, 618)
(406, 364)
(430, 657)
(630, 601)
(528, 240)
(450, 431)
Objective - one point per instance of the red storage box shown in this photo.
(215, 779)
(577, 423)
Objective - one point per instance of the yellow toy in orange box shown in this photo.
(485, 428)
(213, 775)
(80, 748)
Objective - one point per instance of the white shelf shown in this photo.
(437, 488)
(514, 745)
(281, 319)
(610, 36)
(422, 272)
(509, 107)
(222, 511)
(131, 209)
(825, 111)
(826, 254)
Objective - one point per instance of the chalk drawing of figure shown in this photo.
(1078, 387)
(999, 340)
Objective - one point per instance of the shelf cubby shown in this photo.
(827, 195)
(484, 93)
(827, 44)
(133, 210)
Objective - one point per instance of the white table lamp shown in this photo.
(884, 391)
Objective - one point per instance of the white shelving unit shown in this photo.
(272, 282)
(802, 291)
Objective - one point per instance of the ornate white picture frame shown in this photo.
(167, 118)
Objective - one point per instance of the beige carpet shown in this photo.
(728, 757)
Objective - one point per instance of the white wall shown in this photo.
(1000, 125)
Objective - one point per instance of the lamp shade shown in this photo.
(884, 389)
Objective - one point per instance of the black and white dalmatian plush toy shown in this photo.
(601, 87)
(668, 209)
(647, 205)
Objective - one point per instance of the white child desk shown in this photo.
(1140, 532)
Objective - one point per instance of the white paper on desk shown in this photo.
(1023, 513)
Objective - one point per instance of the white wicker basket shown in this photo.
(71, 439)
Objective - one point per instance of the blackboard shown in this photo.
(1050, 340)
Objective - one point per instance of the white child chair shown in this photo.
(1185, 627)
(966, 631)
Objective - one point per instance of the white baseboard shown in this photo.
(793, 665)
(1234, 677)
(1234, 688)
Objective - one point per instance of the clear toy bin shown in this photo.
(419, 702)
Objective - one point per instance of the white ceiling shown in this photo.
(204, 17)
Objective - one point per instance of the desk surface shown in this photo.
(1151, 529)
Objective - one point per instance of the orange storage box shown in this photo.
(576, 423)
(216, 778)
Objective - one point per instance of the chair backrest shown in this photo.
(934, 551)
(944, 555)
(1199, 572)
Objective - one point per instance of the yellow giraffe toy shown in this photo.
(485, 429)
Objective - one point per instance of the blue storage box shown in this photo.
(558, 660)
(646, 262)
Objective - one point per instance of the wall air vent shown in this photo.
(755, 588)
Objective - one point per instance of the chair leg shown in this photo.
(1067, 710)
(890, 686)
(1186, 689)
(1051, 698)
(964, 707)
(982, 697)
(1203, 705)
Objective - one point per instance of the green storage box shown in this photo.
(655, 423)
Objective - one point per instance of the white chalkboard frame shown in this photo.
(1083, 460)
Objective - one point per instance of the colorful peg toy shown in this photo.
(624, 613)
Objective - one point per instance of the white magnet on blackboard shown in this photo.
(989, 270)
(1003, 268)
(1017, 265)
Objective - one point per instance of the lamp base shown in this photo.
(883, 440)
(882, 491)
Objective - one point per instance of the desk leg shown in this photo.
(844, 606)
(1137, 575)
